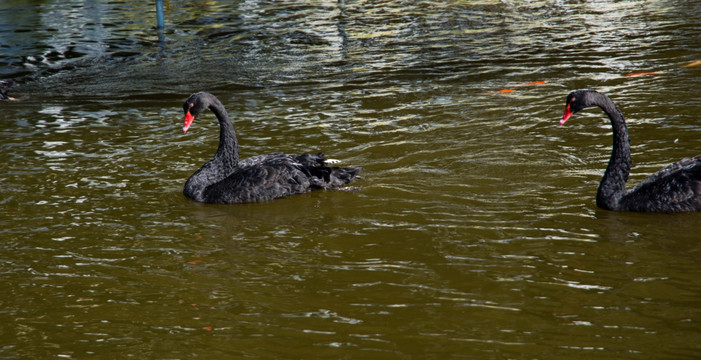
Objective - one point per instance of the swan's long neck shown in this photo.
(224, 162)
(613, 185)
(228, 150)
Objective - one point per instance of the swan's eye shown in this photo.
(191, 105)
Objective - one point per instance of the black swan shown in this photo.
(226, 180)
(675, 188)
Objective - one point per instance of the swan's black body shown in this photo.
(675, 188)
(226, 180)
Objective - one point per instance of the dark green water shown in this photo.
(474, 234)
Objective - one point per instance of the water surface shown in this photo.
(474, 233)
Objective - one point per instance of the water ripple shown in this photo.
(475, 222)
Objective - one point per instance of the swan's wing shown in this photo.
(266, 177)
(261, 179)
(303, 159)
(676, 187)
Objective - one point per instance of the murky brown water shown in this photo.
(474, 234)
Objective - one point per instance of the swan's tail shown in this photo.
(327, 177)
(341, 176)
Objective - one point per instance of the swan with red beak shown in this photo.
(675, 188)
(225, 179)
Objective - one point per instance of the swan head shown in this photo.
(195, 105)
(576, 101)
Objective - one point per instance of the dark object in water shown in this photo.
(5, 86)
(226, 180)
(675, 188)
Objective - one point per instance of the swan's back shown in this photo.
(266, 177)
(675, 188)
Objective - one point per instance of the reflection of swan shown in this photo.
(226, 180)
(675, 188)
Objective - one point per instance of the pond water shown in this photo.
(474, 233)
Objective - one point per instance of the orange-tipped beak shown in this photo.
(188, 121)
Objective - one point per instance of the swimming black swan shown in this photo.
(675, 188)
(226, 180)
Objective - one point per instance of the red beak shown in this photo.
(188, 121)
(567, 115)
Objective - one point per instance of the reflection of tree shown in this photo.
(342, 28)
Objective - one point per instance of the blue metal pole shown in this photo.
(159, 14)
